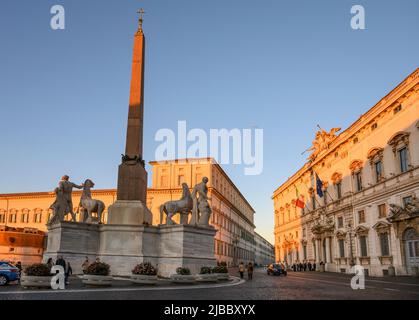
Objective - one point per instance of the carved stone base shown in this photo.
(124, 246)
(129, 213)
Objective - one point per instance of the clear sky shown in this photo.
(283, 66)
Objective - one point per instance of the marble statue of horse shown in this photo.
(89, 205)
(182, 206)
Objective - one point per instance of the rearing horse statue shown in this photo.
(89, 205)
(182, 206)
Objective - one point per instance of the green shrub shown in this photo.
(220, 269)
(183, 271)
(205, 270)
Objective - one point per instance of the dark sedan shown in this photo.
(276, 269)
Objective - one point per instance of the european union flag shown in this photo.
(319, 186)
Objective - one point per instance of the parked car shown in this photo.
(276, 269)
(8, 273)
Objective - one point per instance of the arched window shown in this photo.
(337, 182)
(356, 170)
(375, 157)
(37, 217)
(400, 146)
(13, 216)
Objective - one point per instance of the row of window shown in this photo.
(224, 249)
(231, 226)
(24, 218)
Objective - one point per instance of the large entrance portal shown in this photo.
(411, 242)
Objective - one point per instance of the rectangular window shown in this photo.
(313, 201)
(2, 218)
(304, 232)
(12, 218)
(164, 181)
(378, 171)
(363, 246)
(361, 216)
(385, 250)
(342, 248)
(340, 222)
(180, 179)
(339, 190)
(404, 164)
(382, 211)
(407, 200)
(305, 252)
(358, 181)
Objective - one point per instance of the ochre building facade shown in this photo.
(369, 177)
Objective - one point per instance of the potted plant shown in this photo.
(36, 275)
(206, 275)
(97, 274)
(144, 273)
(221, 272)
(183, 275)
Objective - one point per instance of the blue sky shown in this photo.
(283, 66)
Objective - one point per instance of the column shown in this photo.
(319, 252)
(328, 250)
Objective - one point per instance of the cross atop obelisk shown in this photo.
(140, 20)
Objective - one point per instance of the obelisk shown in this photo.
(132, 176)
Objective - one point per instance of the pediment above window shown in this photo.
(341, 234)
(381, 226)
(336, 177)
(361, 230)
(375, 154)
(356, 165)
(401, 138)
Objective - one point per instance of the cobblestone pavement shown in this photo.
(297, 285)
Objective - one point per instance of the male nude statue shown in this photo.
(201, 210)
(66, 187)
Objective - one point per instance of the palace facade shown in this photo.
(359, 191)
(264, 251)
(232, 215)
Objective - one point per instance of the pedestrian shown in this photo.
(250, 271)
(314, 266)
(60, 262)
(68, 272)
(301, 266)
(19, 267)
(309, 266)
(241, 270)
(50, 263)
(85, 265)
(305, 265)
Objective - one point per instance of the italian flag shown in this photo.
(299, 203)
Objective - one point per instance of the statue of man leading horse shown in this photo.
(63, 204)
(195, 203)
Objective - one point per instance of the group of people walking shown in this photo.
(243, 268)
(303, 266)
